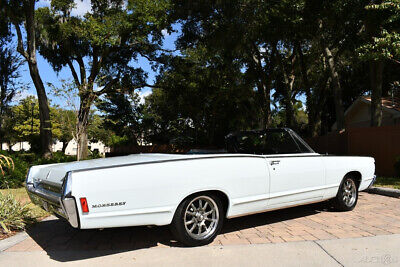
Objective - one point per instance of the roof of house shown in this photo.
(387, 102)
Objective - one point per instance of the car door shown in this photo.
(295, 177)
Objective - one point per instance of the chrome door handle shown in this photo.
(275, 162)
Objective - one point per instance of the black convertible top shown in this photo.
(268, 141)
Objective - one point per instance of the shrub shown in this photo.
(58, 157)
(28, 157)
(14, 177)
(13, 215)
(5, 163)
(116, 140)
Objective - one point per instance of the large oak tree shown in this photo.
(100, 46)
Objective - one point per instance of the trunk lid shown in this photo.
(53, 175)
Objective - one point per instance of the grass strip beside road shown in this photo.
(21, 196)
(389, 182)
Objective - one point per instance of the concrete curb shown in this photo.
(384, 191)
(12, 241)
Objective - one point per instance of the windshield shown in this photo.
(276, 141)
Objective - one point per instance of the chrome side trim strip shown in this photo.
(275, 208)
(281, 194)
(199, 158)
(129, 212)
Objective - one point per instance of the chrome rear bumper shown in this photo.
(372, 182)
(54, 203)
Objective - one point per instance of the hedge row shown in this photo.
(14, 178)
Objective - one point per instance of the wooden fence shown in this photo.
(382, 143)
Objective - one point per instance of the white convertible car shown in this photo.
(194, 193)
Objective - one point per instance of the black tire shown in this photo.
(185, 214)
(347, 196)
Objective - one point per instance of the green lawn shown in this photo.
(21, 196)
(391, 182)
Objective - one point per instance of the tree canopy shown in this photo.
(235, 65)
(102, 44)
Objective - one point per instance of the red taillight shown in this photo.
(84, 204)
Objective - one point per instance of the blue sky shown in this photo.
(49, 76)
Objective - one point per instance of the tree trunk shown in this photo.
(264, 84)
(267, 106)
(44, 110)
(337, 90)
(82, 152)
(314, 123)
(64, 146)
(1, 129)
(288, 79)
(314, 117)
(30, 56)
(82, 125)
(2, 109)
(376, 73)
(289, 111)
(268, 84)
(264, 95)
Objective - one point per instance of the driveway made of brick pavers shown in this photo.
(374, 215)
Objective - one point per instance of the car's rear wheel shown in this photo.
(347, 196)
(198, 219)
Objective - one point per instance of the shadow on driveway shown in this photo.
(64, 243)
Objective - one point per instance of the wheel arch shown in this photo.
(222, 196)
(356, 175)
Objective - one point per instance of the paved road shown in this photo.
(297, 231)
(365, 251)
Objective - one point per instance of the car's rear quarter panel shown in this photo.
(152, 191)
(336, 168)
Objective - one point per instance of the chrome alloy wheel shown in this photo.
(201, 217)
(349, 192)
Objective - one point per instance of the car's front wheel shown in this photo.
(347, 196)
(198, 219)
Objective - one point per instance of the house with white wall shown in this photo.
(70, 149)
(359, 113)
